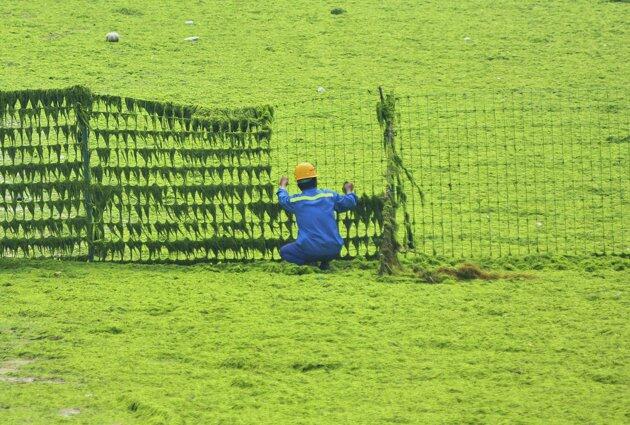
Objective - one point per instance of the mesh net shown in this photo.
(42, 211)
(498, 173)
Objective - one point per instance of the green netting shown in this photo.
(175, 182)
(42, 186)
(115, 178)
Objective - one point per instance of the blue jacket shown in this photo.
(314, 210)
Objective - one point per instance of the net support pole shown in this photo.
(389, 246)
(83, 132)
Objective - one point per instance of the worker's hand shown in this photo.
(348, 187)
(284, 181)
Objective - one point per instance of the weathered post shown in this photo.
(389, 246)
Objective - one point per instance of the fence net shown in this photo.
(518, 172)
(344, 142)
(111, 178)
(179, 183)
(499, 173)
(42, 210)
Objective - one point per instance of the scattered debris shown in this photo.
(29, 380)
(320, 90)
(12, 366)
(17, 379)
(469, 271)
(192, 39)
(467, 40)
(428, 276)
(338, 11)
(189, 22)
(112, 37)
(69, 411)
(466, 271)
(57, 274)
(129, 12)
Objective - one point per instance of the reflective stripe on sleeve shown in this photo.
(312, 198)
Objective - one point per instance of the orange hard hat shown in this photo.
(305, 170)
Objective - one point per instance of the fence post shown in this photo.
(389, 246)
(83, 131)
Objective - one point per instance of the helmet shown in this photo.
(305, 170)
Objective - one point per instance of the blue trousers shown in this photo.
(292, 253)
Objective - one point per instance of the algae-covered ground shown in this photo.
(268, 343)
(270, 51)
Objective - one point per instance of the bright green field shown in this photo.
(104, 343)
(260, 344)
(276, 51)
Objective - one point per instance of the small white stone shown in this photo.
(320, 90)
(112, 37)
(467, 40)
(189, 22)
(193, 38)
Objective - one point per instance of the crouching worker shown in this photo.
(318, 238)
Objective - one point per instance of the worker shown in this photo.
(318, 238)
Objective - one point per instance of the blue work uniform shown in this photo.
(318, 234)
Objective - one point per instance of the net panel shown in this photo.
(42, 210)
(181, 183)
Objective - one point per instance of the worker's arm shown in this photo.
(283, 196)
(348, 201)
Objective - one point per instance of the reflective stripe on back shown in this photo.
(312, 198)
